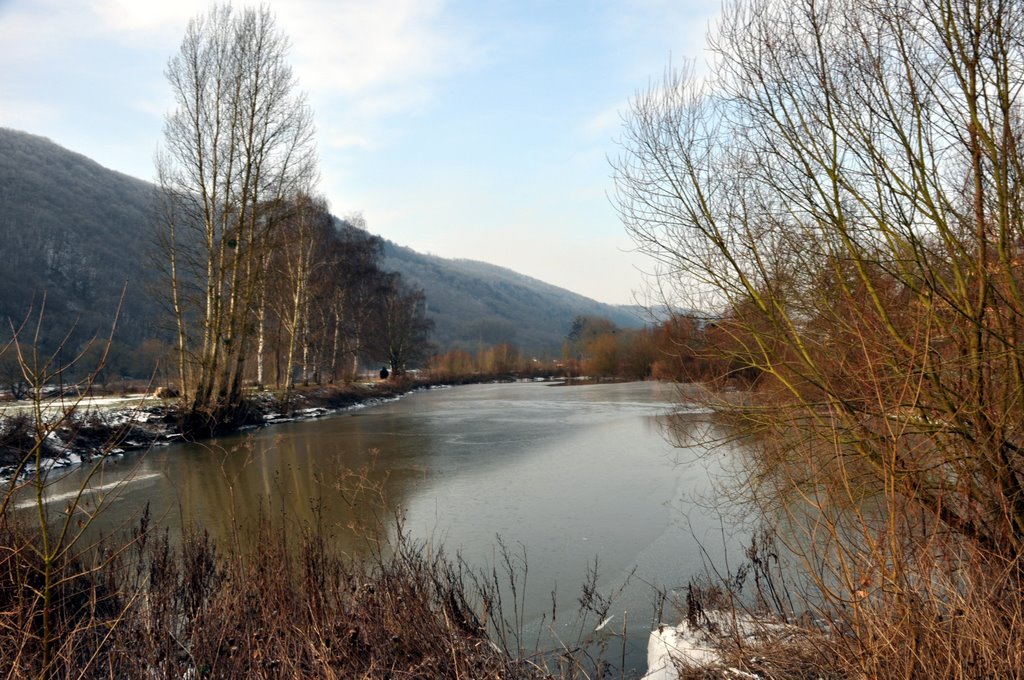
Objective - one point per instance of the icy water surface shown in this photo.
(566, 474)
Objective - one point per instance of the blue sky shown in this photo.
(471, 129)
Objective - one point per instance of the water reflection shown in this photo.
(564, 474)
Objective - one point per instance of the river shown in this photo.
(564, 475)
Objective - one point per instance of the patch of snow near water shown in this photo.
(687, 646)
(59, 497)
(669, 647)
(314, 412)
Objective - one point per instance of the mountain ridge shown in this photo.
(79, 231)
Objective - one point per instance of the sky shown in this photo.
(477, 129)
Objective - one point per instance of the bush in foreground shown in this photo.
(263, 608)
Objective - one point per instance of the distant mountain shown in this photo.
(475, 302)
(80, 232)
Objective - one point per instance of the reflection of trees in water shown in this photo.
(818, 517)
(708, 447)
(298, 482)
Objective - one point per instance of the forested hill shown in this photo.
(76, 231)
(79, 232)
(476, 302)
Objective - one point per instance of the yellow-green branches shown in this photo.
(843, 193)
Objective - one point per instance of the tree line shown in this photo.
(684, 348)
(263, 284)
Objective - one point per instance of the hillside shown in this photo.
(480, 302)
(76, 231)
(80, 232)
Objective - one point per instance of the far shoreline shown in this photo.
(94, 430)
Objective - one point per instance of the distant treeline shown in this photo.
(683, 348)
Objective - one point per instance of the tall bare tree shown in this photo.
(299, 258)
(844, 190)
(238, 143)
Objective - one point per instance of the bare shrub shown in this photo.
(842, 193)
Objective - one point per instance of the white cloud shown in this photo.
(361, 62)
(365, 64)
(352, 46)
(135, 21)
(348, 47)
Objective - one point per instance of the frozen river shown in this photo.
(566, 474)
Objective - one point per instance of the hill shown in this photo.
(76, 231)
(476, 302)
(81, 232)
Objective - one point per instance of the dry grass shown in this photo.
(961, 620)
(285, 607)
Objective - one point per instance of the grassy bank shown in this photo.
(287, 606)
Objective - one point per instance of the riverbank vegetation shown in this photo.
(842, 193)
(271, 600)
(594, 349)
(274, 604)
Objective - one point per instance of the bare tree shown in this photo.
(239, 141)
(298, 260)
(843, 192)
(400, 326)
(356, 300)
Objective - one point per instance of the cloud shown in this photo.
(366, 64)
(353, 47)
(388, 50)
(140, 22)
(362, 63)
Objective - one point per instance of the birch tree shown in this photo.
(237, 144)
(300, 259)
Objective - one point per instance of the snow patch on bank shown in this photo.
(670, 648)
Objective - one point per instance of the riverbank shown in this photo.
(283, 606)
(80, 429)
(306, 473)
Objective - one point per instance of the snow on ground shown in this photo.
(671, 646)
(130, 402)
(689, 646)
(63, 413)
(134, 410)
